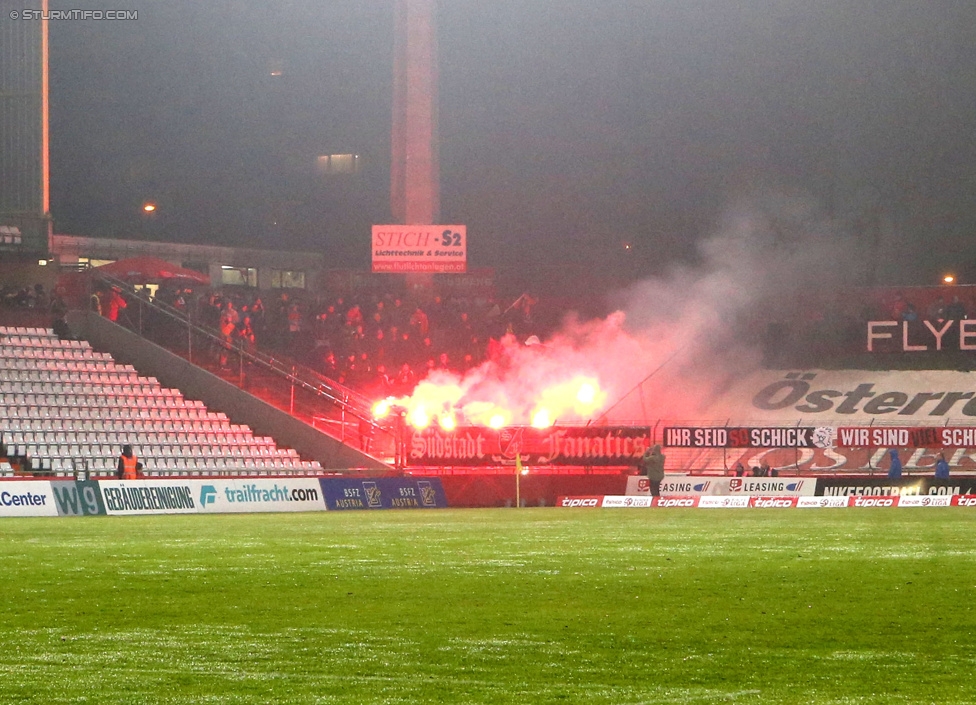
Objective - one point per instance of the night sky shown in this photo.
(569, 129)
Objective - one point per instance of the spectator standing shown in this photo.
(894, 470)
(115, 304)
(652, 465)
(941, 468)
(956, 311)
(128, 466)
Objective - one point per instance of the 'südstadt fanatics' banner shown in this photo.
(555, 446)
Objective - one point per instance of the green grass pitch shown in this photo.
(492, 606)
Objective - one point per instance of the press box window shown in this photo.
(286, 279)
(238, 276)
(338, 164)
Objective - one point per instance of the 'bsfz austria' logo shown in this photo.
(373, 494)
(428, 497)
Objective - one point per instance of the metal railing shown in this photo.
(333, 408)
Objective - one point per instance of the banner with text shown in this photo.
(150, 496)
(77, 498)
(420, 248)
(882, 486)
(743, 437)
(300, 494)
(696, 486)
(553, 446)
(906, 437)
(383, 493)
(27, 499)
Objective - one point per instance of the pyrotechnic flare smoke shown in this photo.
(710, 319)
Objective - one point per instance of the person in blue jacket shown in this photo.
(941, 468)
(894, 471)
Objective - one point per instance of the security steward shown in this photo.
(651, 464)
(128, 468)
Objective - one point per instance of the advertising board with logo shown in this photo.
(624, 502)
(723, 502)
(383, 493)
(581, 502)
(420, 248)
(27, 499)
(553, 446)
(773, 502)
(675, 502)
(300, 494)
(150, 496)
(942, 500)
(821, 502)
(692, 485)
(877, 486)
(78, 498)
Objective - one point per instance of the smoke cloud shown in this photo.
(677, 340)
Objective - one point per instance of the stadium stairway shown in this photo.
(165, 380)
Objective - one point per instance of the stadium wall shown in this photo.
(23, 498)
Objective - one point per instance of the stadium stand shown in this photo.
(66, 410)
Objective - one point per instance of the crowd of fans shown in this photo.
(384, 343)
(25, 297)
(379, 344)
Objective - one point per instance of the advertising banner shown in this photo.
(884, 501)
(150, 496)
(942, 500)
(723, 502)
(921, 336)
(553, 446)
(696, 486)
(27, 499)
(623, 502)
(78, 498)
(420, 248)
(773, 502)
(590, 501)
(814, 398)
(383, 493)
(882, 486)
(821, 502)
(879, 501)
(675, 502)
(300, 494)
